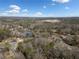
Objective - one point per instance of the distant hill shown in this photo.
(70, 20)
(37, 18)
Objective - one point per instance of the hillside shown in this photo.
(39, 38)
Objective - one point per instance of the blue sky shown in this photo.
(39, 8)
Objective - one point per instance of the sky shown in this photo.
(39, 8)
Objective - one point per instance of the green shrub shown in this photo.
(4, 33)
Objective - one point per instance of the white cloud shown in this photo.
(61, 1)
(25, 10)
(44, 6)
(3, 14)
(53, 4)
(51, 15)
(67, 8)
(24, 14)
(38, 14)
(14, 9)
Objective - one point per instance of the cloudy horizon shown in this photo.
(39, 8)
